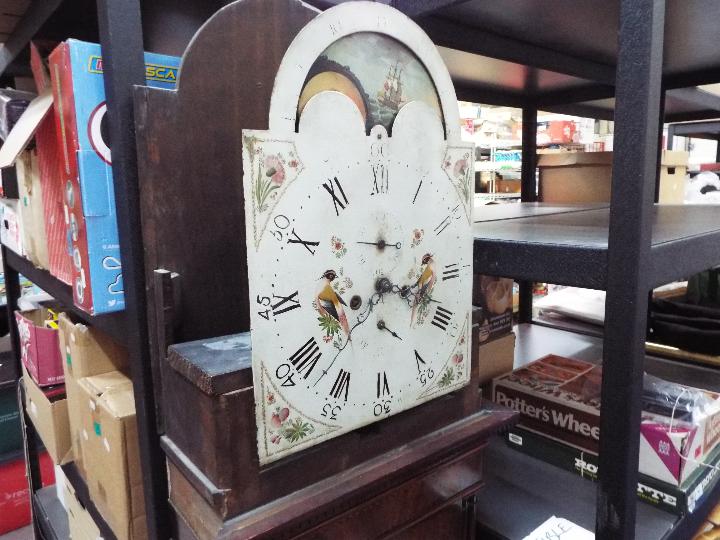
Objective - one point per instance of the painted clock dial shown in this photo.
(359, 258)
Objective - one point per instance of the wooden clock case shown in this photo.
(383, 479)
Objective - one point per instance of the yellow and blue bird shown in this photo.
(331, 303)
(424, 284)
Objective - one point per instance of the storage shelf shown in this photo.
(50, 515)
(572, 243)
(112, 324)
(518, 481)
(83, 495)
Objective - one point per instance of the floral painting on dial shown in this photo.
(456, 370)
(273, 166)
(285, 426)
(460, 169)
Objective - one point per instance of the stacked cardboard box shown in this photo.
(559, 404)
(111, 452)
(39, 347)
(493, 309)
(47, 408)
(80, 522)
(103, 426)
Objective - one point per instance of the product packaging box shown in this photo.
(679, 500)
(557, 132)
(31, 208)
(111, 453)
(679, 429)
(11, 227)
(15, 493)
(85, 352)
(560, 398)
(585, 177)
(47, 408)
(10, 430)
(39, 347)
(495, 297)
(80, 522)
(496, 357)
(40, 186)
(76, 71)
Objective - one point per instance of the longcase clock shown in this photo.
(358, 204)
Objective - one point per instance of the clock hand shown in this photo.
(381, 326)
(382, 244)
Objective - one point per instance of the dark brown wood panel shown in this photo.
(224, 459)
(190, 162)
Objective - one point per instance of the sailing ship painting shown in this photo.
(378, 73)
(391, 94)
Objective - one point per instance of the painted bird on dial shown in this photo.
(424, 284)
(330, 303)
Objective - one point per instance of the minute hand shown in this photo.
(382, 244)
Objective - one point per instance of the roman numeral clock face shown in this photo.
(360, 269)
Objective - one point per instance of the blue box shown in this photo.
(89, 197)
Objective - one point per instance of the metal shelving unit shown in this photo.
(517, 480)
(571, 57)
(509, 239)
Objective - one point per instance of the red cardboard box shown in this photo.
(50, 165)
(50, 161)
(42, 214)
(15, 491)
(39, 347)
(557, 132)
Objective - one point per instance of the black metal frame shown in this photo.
(637, 106)
(627, 266)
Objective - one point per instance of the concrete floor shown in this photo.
(20, 534)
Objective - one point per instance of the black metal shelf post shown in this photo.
(637, 106)
(122, 46)
(528, 191)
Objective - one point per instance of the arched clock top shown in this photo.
(340, 22)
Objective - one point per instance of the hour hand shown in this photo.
(381, 326)
(382, 244)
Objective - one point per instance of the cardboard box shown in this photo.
(85, 351)
(80, 522)
(40, 186)
(76, 72)
(585, 177)
(39, 347)
(60, 481)
(679, 500)
(47, 408)
(15, 492)
(111, 453)
(559, 398)
(11, 229)
(496, 357)
(557, 132)
(31, 208)
(494, 296)
(508, 186)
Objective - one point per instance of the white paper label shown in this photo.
(557, 528)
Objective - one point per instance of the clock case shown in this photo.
(196, 280)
